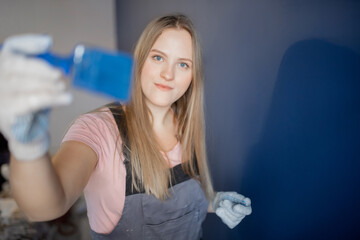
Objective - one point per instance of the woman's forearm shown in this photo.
(37, 189)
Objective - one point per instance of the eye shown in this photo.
(157, 58)
(184, 65)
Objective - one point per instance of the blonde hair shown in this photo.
(149, 169)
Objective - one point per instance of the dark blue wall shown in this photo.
(282, 109)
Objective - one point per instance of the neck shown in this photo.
(161, 116)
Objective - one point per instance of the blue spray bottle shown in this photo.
(96, 70)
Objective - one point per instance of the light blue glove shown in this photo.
(28, 89)
(231, 207)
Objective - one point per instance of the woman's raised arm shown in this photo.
(45, 189)
(29, 87)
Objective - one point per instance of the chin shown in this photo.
(160, 102)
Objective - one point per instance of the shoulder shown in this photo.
(96, 129)
(102, 116)
(94, 122)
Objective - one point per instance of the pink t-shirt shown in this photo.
(105, 190)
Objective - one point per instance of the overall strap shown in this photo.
(177, 173)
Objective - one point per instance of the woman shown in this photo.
(142, 166)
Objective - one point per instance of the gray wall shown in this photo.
(255, 55)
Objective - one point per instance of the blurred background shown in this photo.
(282, 82)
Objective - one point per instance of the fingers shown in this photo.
(246, 201)
(221, 212)
(236, 209)
(229, 220)
(12, 65)
(246, 210)
(232, 214)
(28, 43)
(233, 197)
(27, 103)
(31, 103)
(228, 206)
(28, 85)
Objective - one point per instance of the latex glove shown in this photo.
(231, 207)
(29, 87)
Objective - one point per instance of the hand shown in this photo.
(29, 87)
(231, 207)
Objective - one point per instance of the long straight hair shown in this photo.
(150, 170)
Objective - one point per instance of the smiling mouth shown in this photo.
(163, 87)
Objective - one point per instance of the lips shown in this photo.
(163, 87)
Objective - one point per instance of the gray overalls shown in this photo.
(145, 217)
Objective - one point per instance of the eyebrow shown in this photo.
(184, 59)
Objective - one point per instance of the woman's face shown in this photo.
(167, 71)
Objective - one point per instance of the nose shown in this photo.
(167, 72)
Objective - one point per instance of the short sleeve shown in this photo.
(84, 130)
(105, 190)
